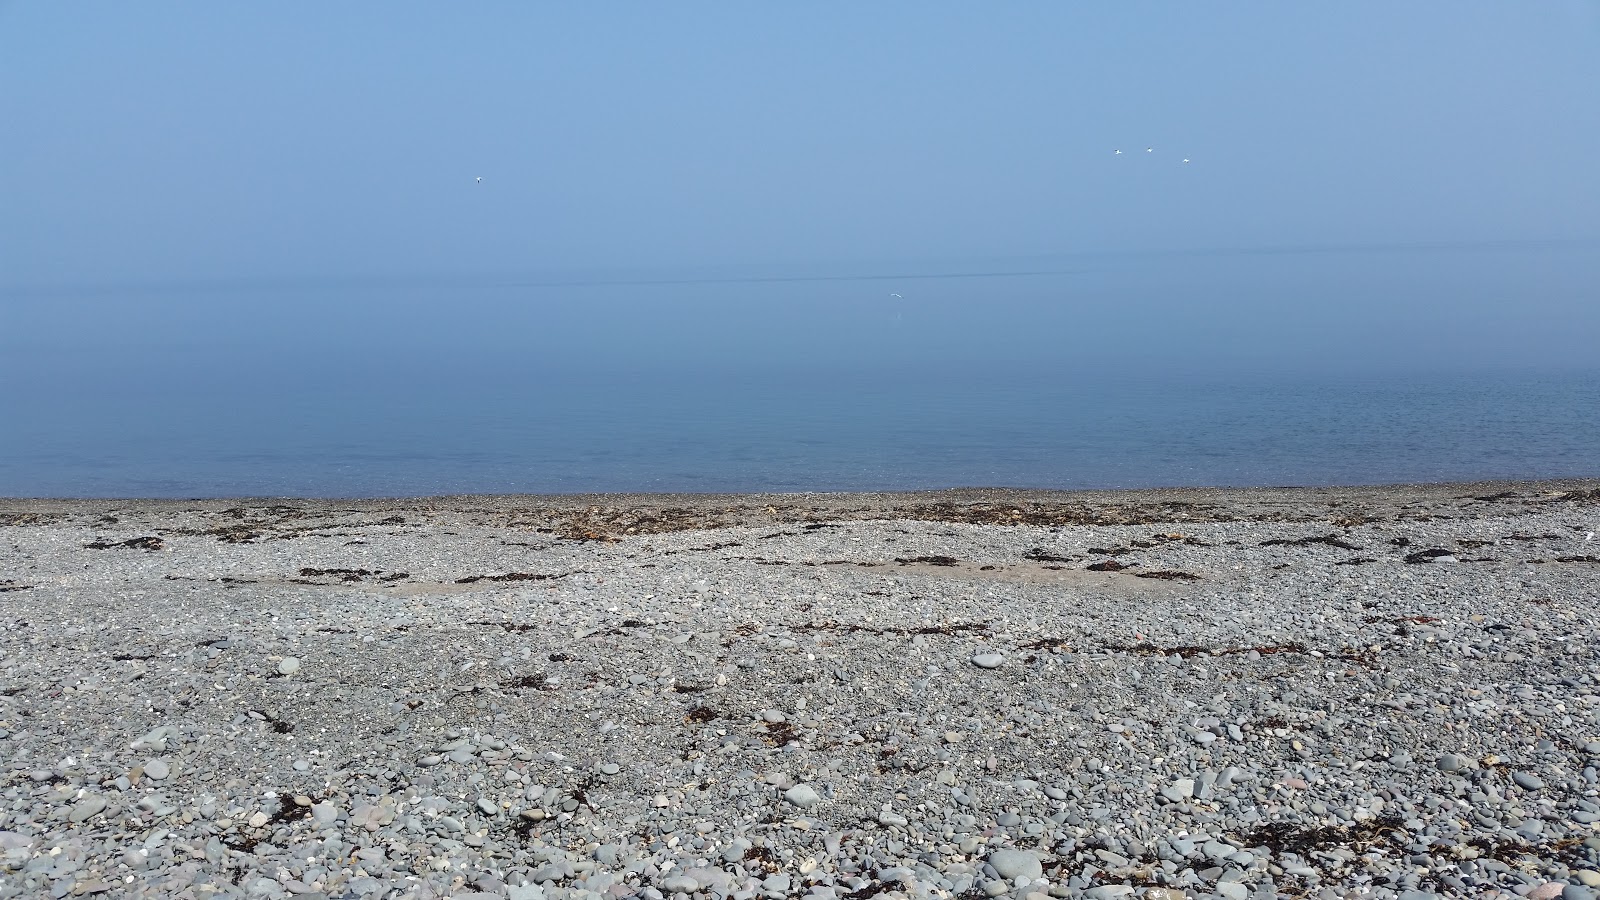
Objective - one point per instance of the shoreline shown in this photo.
(887, 499)
(1230, 693)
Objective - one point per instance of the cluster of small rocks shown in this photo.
(442, 700)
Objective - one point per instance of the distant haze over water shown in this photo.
(1267, 367)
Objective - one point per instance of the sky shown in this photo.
(198, 142)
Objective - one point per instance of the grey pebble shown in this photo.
(1011, 864)
(87, 808)
(803, 796)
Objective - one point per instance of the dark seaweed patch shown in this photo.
(150, 542)
(514, 576)
(778, 734)
(10, 519)
(1427, 556)
(536, 681)
(1355, 561)
(763, 858)
(1037, 554)
(289, 812)
(1109, 565)
(1287, 837)
(1145, 648)
(1578, 559)
(700, 715)
(949, 629)
(341, 574)
(1574, 496)
(929, 560)
(1168, 575)
(277, 724)
(1332, 540)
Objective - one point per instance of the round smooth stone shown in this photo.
(1012, 864)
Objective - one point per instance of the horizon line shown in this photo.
(504, 280)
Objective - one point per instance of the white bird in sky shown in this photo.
(1185, 160)
(896, 295)
(1119, 152)
(480, 179)
(1149, 149)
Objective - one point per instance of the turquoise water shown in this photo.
(1221, 370)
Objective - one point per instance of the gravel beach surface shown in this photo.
(1370, 692)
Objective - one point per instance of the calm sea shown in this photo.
(1356, 366)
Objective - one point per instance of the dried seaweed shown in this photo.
(929, 560)
(1332, 540)
(517, 576)
(149, 542)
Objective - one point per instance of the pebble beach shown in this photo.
(1387, 692)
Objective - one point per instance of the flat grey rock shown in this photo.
(803, 796)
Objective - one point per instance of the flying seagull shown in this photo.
(1119, 152)
(480, 179)
(897, 295)
(1149, 149)
(1185, 160)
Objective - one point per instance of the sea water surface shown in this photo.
(1295, 367)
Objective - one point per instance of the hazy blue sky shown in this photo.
(170, 142)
